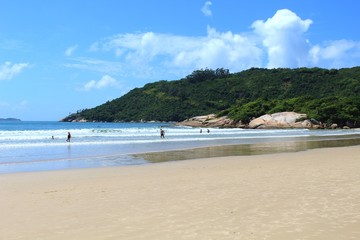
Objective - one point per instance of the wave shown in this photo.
(147, 135)
(145, 141)
(33, 148)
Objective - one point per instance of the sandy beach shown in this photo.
(313, 194)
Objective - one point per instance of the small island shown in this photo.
(9, 120)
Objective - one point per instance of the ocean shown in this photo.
(42, 146)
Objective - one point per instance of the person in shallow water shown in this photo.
(68, 137)
(162, 133)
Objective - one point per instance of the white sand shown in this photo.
(305, 195)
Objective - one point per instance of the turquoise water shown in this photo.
(39, 146)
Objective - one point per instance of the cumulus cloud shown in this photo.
(104, 82)
(279, 41)
(69, 52)
(283, 38)
(9, 70)
(218, 49)
(206, 9)
(142, 50)
(284, 41)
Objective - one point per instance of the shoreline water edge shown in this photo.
(42, 146)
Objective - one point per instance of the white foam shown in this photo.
(145, 135)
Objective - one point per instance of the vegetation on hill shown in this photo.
(329, 96)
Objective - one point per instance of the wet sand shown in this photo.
(311, 194)
(248, 149)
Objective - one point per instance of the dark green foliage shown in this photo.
(340, 110)
(330, 96)
(207, 74)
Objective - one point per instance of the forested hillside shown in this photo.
(331, 96)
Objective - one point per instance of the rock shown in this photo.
(210, 120)
(281, 120)
(276, 120)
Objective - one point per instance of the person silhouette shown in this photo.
(68, 137)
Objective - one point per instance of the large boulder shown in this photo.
(281, 120)
(210, 120)
(276, 120)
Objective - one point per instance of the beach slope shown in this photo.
(313, 194)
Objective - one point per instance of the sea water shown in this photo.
(36, 146)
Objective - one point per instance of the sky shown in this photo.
(61, 56)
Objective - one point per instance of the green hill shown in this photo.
(331, 96)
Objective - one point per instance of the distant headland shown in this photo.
(10, 119)
(327, 98)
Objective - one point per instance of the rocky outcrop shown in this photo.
(211, 120)
(276, 120)
(283, 120)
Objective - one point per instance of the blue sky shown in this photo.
(60, 56)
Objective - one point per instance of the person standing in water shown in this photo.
(162, 133)
(68, 137)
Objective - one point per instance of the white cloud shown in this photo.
(69, 52)
(279, 41)
(336, 54)
(283, 38)
(96, 65)
(152, 52)
(229, 50)
(9, 70)
(104, 82)
(206, 9)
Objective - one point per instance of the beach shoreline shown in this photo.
(42, 146)
(155, 155)
(311, 194)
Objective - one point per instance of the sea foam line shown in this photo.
(139, 141)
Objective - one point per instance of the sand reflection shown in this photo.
(245, 149)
